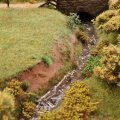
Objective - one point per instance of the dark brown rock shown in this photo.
(93, 7)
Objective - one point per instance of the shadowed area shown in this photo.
(84, 16)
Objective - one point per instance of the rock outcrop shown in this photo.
(93, 7)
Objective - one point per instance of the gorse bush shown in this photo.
(25, 101)
(74, 21)
(92, 62)
(28, 109)
(113, 5)
(77, 101)
(7, 106)
(14, 87)
(109, 70)
(47, 60)
(112, 25)
(77, 104)
(108, 21)
(104, 17)
(98, 48)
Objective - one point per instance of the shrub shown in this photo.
(91, 63)
(28, 109)
(110, 64)
(7, 106)
(23, 98)
(74, 21)
(114, 5)
(99, 47)
(47, 60)
(104, 17)
(81, 36)
(25, 85)
(112, 25)
(14, 87)
(77, 104)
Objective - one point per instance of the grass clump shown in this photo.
(81, 36)
(47, 60)
(112, 25)
(25, 85)
(92, 62)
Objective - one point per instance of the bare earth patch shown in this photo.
(39, 75)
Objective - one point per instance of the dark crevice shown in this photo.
(85, 17)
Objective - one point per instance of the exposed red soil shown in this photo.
(39, 75)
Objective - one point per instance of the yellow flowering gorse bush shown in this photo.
(109, 69)
(28, 109)
(108, 21)
(7, 106)
(112, 25)
(14, 87)
(77, 104)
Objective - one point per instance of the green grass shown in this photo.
(47, 60)
(110, 37)
(26, 35)
(108, 97)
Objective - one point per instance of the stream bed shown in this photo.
(54, 96)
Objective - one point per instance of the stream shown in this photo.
(54, 96)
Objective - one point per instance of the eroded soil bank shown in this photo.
(40, 75)
(54, 96)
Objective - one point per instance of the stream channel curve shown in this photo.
(54, 96)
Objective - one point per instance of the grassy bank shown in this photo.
(26, 35)
(108, 97)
